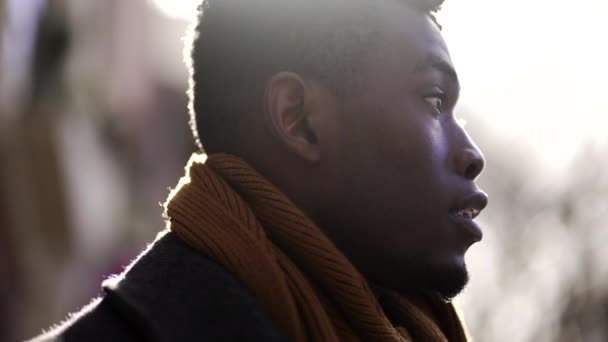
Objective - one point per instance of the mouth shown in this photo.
(469, 213)
(465, 212)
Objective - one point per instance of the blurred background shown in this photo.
(93, 131)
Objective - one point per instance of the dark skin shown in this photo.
(388, 173)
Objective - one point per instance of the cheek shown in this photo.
(396, 153)
(416, 147)
(401, 142)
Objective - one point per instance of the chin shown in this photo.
(448, 280)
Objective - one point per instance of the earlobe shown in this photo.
(288, 113)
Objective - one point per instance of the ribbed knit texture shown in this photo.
(226, 210)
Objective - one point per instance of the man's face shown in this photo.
(402, 173)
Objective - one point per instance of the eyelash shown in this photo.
(440, 97)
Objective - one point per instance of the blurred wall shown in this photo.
(93, 134)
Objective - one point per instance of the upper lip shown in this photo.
(471, 205)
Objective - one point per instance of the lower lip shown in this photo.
(468, 225)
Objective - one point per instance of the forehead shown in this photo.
(410, 40)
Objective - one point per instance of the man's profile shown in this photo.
(338, 198)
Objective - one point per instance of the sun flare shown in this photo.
(179, 9)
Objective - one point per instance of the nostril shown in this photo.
(469, 163)
(472, 171)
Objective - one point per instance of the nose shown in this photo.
(467, 159)
(470, 162)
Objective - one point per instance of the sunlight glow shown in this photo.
(178, 9)
(461, 122)
(537, 82)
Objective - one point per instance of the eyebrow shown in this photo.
(435, 62)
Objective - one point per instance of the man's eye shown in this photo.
(436, 101)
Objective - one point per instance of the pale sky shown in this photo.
(534, 70)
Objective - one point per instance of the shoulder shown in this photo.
(169, 293)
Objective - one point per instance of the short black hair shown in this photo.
(236, 46)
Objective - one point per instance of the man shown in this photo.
(338, 197)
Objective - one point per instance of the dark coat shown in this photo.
(171, 293)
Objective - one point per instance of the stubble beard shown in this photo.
(445, 280)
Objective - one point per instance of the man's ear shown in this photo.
(290, 114)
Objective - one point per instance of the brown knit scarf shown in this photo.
(227, 211)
